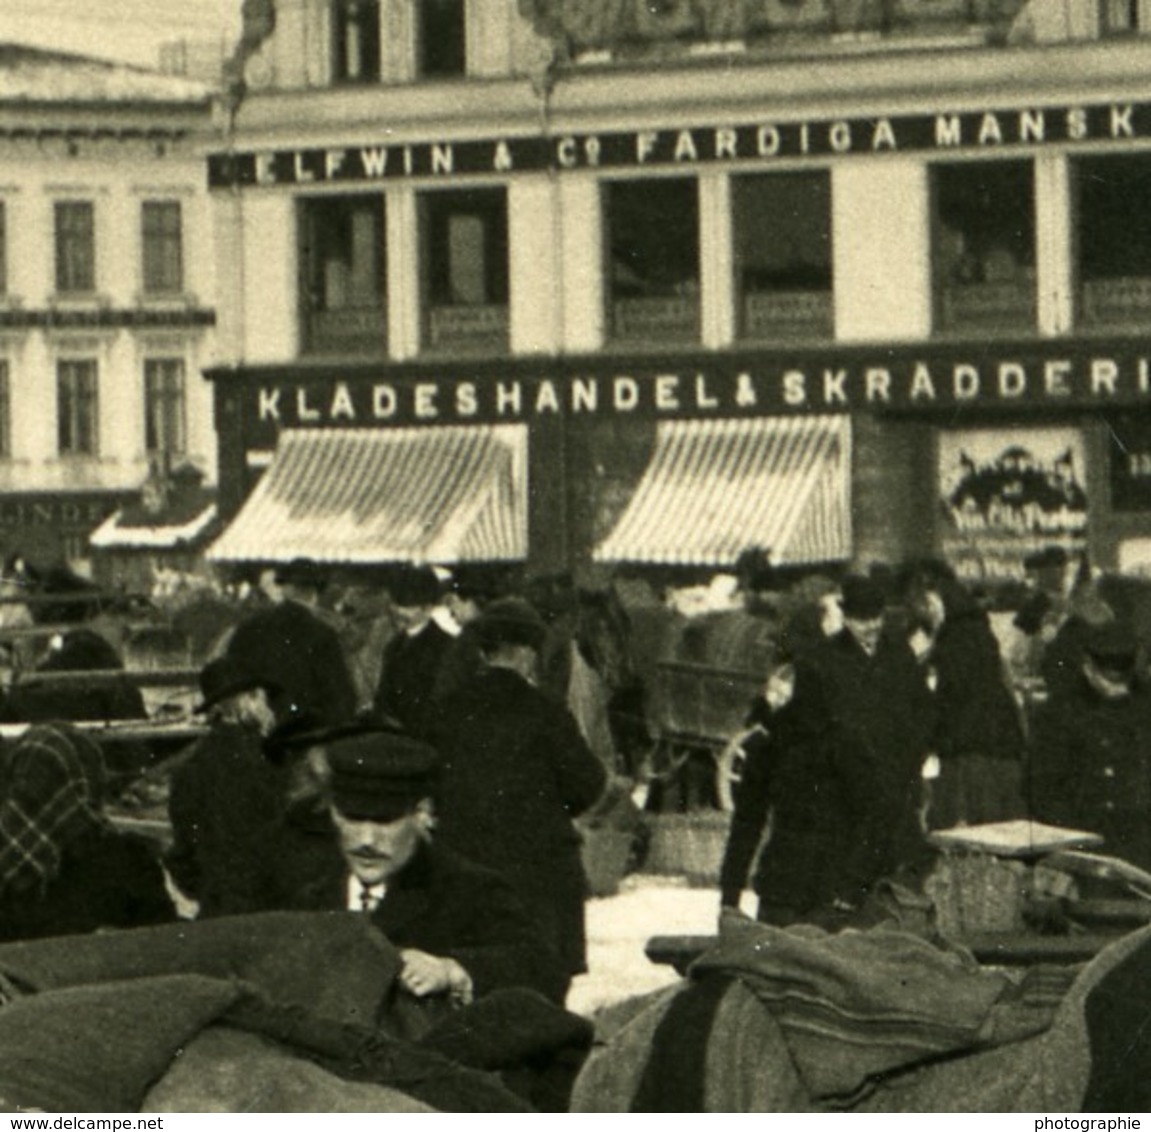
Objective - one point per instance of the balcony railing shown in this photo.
(1123, 301)
(787, 314)
(466, 326)
(673, 318)
(1006, 305)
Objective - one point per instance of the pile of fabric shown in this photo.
(797, 1020)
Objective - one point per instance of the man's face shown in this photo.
(866, 632)
(252, 707)
(377, 850)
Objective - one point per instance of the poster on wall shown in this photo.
(1007, 493)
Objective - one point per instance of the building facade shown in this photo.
(106, 283)
(614, 281)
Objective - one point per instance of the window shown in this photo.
(3, 249)
(164, 429)
(782, 244)
(1114, 241)
(75, 247)
(343, 272)
(984, 246)
(465, 258)
(163, 243)
(1119, 17)
(356, 39)
(5, 411)
(441, 48)
(76, 410)
(653, 256)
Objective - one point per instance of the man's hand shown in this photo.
(423, 975)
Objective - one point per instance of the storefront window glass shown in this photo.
(984, 246)
(356, 39)
(442, 40)
(465, 262)
(76, 407)
(782, 249)
(164, 406)
(343, 274)
(653, 259)
(1113, 223)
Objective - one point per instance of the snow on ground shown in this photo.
(619, 926)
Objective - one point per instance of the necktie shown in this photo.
(368, 898)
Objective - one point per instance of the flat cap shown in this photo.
(380, 774)
(511, 621)
(862, 599)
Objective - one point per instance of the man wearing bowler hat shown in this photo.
(225, 801)
(516, 772)
(866, 703)
(291, 647)
(460, 929)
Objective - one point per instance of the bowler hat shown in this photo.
(511, 621)
(862, 599)
(379, 774)
(301, 572)
(416, 585)
(224, 677)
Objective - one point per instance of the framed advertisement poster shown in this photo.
(1007, 493)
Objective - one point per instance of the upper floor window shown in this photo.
(356, 40)
(1119, 17)
(465, 259)
(441, 41)
(782, 245)
(1114, 240)
(5, 411)
(77, 386)
(162, 239)
(342, 274)
(164, 424)
(75, 247)
(983, 238)
(653, 259)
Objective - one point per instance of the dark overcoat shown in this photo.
(290, 646)
(1090, 768)
(409, 671)
(107, 879)
(452, 908)
(226, 806)
(516, 771)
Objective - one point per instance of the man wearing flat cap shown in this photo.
(291, 647)
(1090, 766)
(460, 929)
(516, 772)
(411, 660)
(226, 800)
(865, 705)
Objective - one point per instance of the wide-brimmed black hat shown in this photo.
(510, 621)
(379, 774)
(302, 572)
(415, 585)
(224, 677)
(862, 599)
(1112, 645)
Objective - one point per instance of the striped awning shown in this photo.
(397, 495)
(716, 488)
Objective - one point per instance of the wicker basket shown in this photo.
(688, 845)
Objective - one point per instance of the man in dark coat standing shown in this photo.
(516, 772)
(461, 930)
(865, 706)
(412, 659)
(226, 801)
(1090, 764)
(291, 648)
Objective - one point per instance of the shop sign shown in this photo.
(75, 513)
(1007, 493)
(748, 143)
(1036, 376)
(1129, 449)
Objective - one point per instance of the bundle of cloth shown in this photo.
(799, 1020)
(277, 1012)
